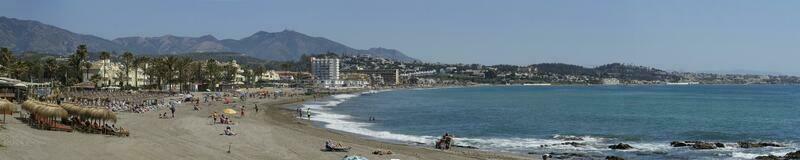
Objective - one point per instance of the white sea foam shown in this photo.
(745, 155)
(344, 122)
(341, 122)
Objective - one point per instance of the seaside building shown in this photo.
(381, 76)
(104, 73)
(108, 73)
(355, 80)
(269, 76)
(326, 72)
(237, 75)
(610, 81)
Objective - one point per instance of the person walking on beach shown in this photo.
(256, 107)
(299, 112)
(242, 110)
(309, 113)
(172, 109)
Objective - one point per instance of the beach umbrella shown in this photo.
(110, 115)
(6, 107)
(229, 111)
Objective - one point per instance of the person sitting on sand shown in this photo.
(228, 131)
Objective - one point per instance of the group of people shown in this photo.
(219, 118)
(95, 127)
(445, 142)
(333, 146)
(119, 101)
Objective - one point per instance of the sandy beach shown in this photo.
(273, 133)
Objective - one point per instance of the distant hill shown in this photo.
(222, 57)
(27, 35)
(613, 70)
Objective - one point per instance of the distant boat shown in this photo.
(536, 84)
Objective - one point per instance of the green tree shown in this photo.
(20, 69)
(127, 60)
(51, 68)
(80, 56)
(214, 73)
(139, 62)
(105, 56)
(88, 66)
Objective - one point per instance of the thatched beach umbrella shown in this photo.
(111, 116)
(6, 108)
(71, 109)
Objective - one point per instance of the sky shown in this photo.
(679, 35)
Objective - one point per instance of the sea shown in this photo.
(539, 119)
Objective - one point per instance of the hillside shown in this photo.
(28, 35)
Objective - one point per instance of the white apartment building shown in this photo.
(326, 71)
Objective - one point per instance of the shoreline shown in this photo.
(642, 149)
(273, 133)
(376, 142)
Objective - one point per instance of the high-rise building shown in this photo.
(326, 71)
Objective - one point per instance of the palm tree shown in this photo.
(6, 60)
(20, 69)
(213, 72)
(127, 59)
(51, 66)
(182, 66)
(87, 66)
(105, 56)
(138, 62)
(80, 55)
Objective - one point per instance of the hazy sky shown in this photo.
(691, 35)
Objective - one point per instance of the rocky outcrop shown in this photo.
(614, 158)
(704, 146)
(790, 155)
(697, 144)
(678, 144)
(757, 145)
(574, 144)
(621, 146)
(769, 157)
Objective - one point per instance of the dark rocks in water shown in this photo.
(678, 144)
(566, 155)
(704, 145)
(614, 158)
(568, 138)
(792, 155)
(574, 144)
(719, 145)
(770, 157)
(697, 144)
(467, 147)
(621, 146)
(758, 145)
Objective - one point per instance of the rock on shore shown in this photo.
(621, 146)
(757, 145)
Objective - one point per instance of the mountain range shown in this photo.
(28, 35)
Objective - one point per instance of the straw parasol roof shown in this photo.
(7, 107)
(44, 109)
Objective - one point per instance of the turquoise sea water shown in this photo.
(523, 118)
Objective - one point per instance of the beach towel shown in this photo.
(354, 158)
